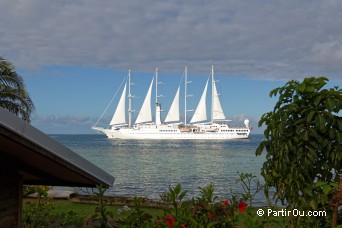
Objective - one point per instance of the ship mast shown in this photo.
(158, 106)
(156, 73)
(130, 111)
(185, 92)
(212, 94)
(186, 82)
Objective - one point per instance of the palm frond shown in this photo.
(13, 94)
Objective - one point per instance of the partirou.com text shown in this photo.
(294, 212)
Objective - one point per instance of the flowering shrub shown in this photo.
(204, 211)
(207, 210)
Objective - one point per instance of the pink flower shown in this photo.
(242, 206)
(225, 202)
(170, 221)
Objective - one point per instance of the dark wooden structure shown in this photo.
(28, 156)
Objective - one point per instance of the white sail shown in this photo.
(217, 111)
(201, 110)
(119, 116)
(173, 114)
(145, 114)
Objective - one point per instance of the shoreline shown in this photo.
(72, 195)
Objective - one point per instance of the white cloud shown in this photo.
(327, 54)
(261, 39)
(63, 124)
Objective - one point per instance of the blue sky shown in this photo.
(74, 54)
(71, 99)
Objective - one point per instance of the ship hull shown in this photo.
(157, 134)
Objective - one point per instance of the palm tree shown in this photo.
(13, 94)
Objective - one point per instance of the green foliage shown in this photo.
(175, 196)
(207, 210)
(101, 211)
(41, 214)
(207, 193)
(28, 189)
(303, 143)
(250, 184)
(42, 191)
(69, 218)
(136, 216)
(37, 214)
(203, 211)
(13, 94)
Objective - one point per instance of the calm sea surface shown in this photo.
(147, 168)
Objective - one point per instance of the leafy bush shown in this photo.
(304, 146)
(204, 211)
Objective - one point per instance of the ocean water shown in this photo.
(148, 167)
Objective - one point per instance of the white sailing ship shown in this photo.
(172, 127)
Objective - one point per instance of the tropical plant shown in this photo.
(203, 211)
(38, 214)
(136, 217)
(41, 213)
(206, 210)
(303, 143)
(13, 94)
(101, 211)
(250, 185)
(207, 193)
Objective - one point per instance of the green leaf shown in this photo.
(212, 224)
(313, 204)
(317, 100)
(314, 144)
(326, 189)
(329, 104)
(301, 87)
(319, 183)
(320, 122)
(309, 118)
(260, 148)
(313, 133)
(177, 189)
(273, 92)
(182, 195)
(339, 124)
(331, 133)
(305, 136)
(338, 137)
(310, 89)
(308, 192)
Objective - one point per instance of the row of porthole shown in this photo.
(234, 130)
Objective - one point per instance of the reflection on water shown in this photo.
(148, 167)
